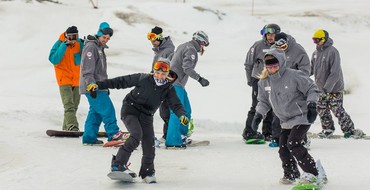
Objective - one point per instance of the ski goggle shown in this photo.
(107, 31)
(72, 37)
(317, 40)
(271, 63)
(161, 66)
(269, 31)
(281, 44)
(153, 36)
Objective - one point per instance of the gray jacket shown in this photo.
(165, 50)
(93, 63)
(184, 61)
(296, 56)
(254, 61)
(325, 66)
(287, 92)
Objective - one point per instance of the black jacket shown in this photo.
(146, 97)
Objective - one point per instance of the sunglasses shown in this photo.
(153, 36)
(107, 31)
(161, 66)
(317, 40)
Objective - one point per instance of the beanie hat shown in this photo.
(72, 30)
(104, 29)
(157, 30)
(321, 34)
(271, 61)
(281, 38)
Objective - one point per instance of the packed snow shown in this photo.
(31, 104)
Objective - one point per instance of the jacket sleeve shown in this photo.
(263, 105)
(121, 82)
(189, 60)
(249, 62)
(335, 71)
(308, 87)
(175, 103)
(90, 58)
(304, 62)
(57, 52)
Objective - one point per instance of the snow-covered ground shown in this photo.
(30, 100)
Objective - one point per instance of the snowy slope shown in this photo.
(30, 101)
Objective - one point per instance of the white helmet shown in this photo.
(201, 37)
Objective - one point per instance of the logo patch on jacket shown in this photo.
(89, 55)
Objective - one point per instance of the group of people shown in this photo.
(288, 101)
(81, 68)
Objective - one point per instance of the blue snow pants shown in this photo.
(175, 128)
(101, 110)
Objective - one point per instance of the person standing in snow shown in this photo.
(253, 67)
(296, 58)
(94, 68)
(138, 108)
(163, 48)
(292, 95)
(183, 63)
(326, 68)
(65, 55)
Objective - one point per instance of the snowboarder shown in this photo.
(253, 67)
(137, 112)
(183, 63)
(94, 68)
(292, 95)
(162, 47)
(326, 68)
(65, 55)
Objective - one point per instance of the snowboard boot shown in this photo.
(120, 136)
(291, 173)
(274, 143)
(355, 133)
(73, 128)
(96, 143)
(121, 167)
(322, 174)
(148, 175)
(326, 133)
(254, 138)
(308, 178)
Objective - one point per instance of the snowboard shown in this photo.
(316, 136)
(121, 176)
(119, 142)
(254, 141)
(57, 133)
(198, 143)
(306, 187)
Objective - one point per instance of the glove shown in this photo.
(184, 120)
(92, 88)
(311, 113)
(204, 82)
(256, 121)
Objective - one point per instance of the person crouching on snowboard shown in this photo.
(292, 95)
(137, 112)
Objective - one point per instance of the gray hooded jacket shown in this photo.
(296, 56)
(287, 92)
(93, 63)
(165, 50)
(325, 66)
(254, 61)
(184, 61)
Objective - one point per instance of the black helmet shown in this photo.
(272, 29)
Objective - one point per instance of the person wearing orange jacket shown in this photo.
(65, 55)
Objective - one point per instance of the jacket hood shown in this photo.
(280, 56)
(328, 43)
(94, 39)
(166, 43)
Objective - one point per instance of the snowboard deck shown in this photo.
(255, 141)
(316, 136)
(57, 133)
(306, 187)
(121, 176)
(199, 143)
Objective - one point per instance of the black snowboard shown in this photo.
(56, 133)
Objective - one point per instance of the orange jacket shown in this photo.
(66, 60)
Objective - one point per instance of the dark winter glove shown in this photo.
(184, 120)
(256, 121)
(92, 88)
(204, 82)
(311, 113)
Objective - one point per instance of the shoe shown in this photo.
(326, 133)
(73, 128)
(308, 178)
(355, 133)
(119, 136)
(150, 179)
(186, 140)
(96, 143)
